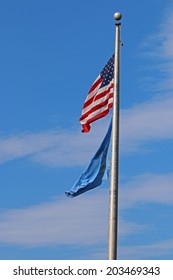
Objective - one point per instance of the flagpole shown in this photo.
(113, 199)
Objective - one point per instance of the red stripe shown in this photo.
(98, 96)
(96, 83)
(86, 127)
(95, 108)
(98, 106)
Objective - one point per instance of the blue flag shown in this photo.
(97, 171)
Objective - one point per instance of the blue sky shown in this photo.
(50, 54)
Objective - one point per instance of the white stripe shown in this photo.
(97, 112)
(100, 100)
(92, 93)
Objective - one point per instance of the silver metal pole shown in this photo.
(113, 203)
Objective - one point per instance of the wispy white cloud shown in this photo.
(149, 121)
(150, 251)
(162, 40)
(152, 119)
(147, 251)
(62, 221)
(66, 221)
(148, 188)
(53, 148)
(83, 220)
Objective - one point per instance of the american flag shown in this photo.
(100, 97)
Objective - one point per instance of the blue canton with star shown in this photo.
(107, 74)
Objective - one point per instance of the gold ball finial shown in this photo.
(117, 16)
